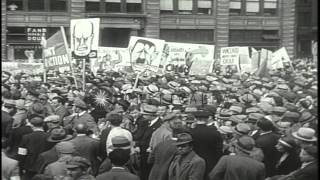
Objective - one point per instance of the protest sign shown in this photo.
(145, 53)
(230, 58)
(183, 55)
(266, 54)
(84, 35)
(255, 59)
(245, 63)
(55, 53)
(110, 58)
(278, 59)
(28, 68)
(201, 67)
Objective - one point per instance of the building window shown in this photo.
(204, 6)
(92, 5)
(113, 5)
(58, 5)
(270, 7)
(14, 5)
(134, 6)
(186, 6)
(304, 19)
(235, 7)
(166, 7)
(253, 7)
(201, 36)
(36, 5)
(268, 39)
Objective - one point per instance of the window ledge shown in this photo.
(37, 13)
(119, 15)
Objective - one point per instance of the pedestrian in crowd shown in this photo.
(56, 135)
(59, 108)
(118, 163)
(186, 164)
(9, 167)
(267, 140)
(65, 150)
(305, 137)
(162, 155)
(31, 146)
(52, 122)
(239, 166)
(86, 146)
(147, 125)
(289, 159)
(21, 114)
(164, 132)
(44, 101)
(8, 107)
(78, 168)
(80, 116)
(207, 142)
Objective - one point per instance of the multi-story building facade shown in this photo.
(259, 23)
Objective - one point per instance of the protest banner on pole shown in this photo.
(69, 55)
(186, 55)
(84, 35)
(278, 59)
(43, 43)
(110, 58)
(145, 53)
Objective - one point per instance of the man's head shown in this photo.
(149, 112)
(162, 111)
(83, 33)
(119, 157)
(82, 128)
(115, 119)
(36, 120)
(57, 101)
(77, 166)
(184, 143)
(52, 121)
(43, 98)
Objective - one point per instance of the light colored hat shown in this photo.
(225, 130)
(241, 129)
(20, 104)
(305, 134)
(245, 144)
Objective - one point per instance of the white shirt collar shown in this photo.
(82, 113)
(305, 164)
(263, 133)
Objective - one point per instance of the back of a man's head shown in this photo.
(81, 128)
(119, 157)
(115, 119)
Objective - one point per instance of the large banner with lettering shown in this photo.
(183, 56)
(145, 53)
(84, 35)
(28, 68)
(279, 59)
(110, 58)
(55, 53)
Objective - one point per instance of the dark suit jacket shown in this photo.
(71, 122)
(45, 159)
(310, 172)
(267, 143)
(237, 167)
(161, 157)
(120, 174)
(208, 144)
(15, 139)
(88, 147)
(146, 133)
(35, 143)
(291, 163)
(6, 122)
(103, 142)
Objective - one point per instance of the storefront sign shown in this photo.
(35, 33)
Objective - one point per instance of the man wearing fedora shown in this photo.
(147, 124)
(207, 141)
(239, 166)
(56, 135)
(65, 150)
(78, 168)
(186, 164)
(305, 137)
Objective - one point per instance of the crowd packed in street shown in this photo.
(172, 126)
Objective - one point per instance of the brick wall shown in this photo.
(288, 30)
(152, 25)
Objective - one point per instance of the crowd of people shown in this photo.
(172, 126)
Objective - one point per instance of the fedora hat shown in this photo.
(245, 144)
(120, 142)
(20, 104)
(148, 109)
(58, 135)
(225, 129)
(305, 134)
(183, 138)
(241, 129)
